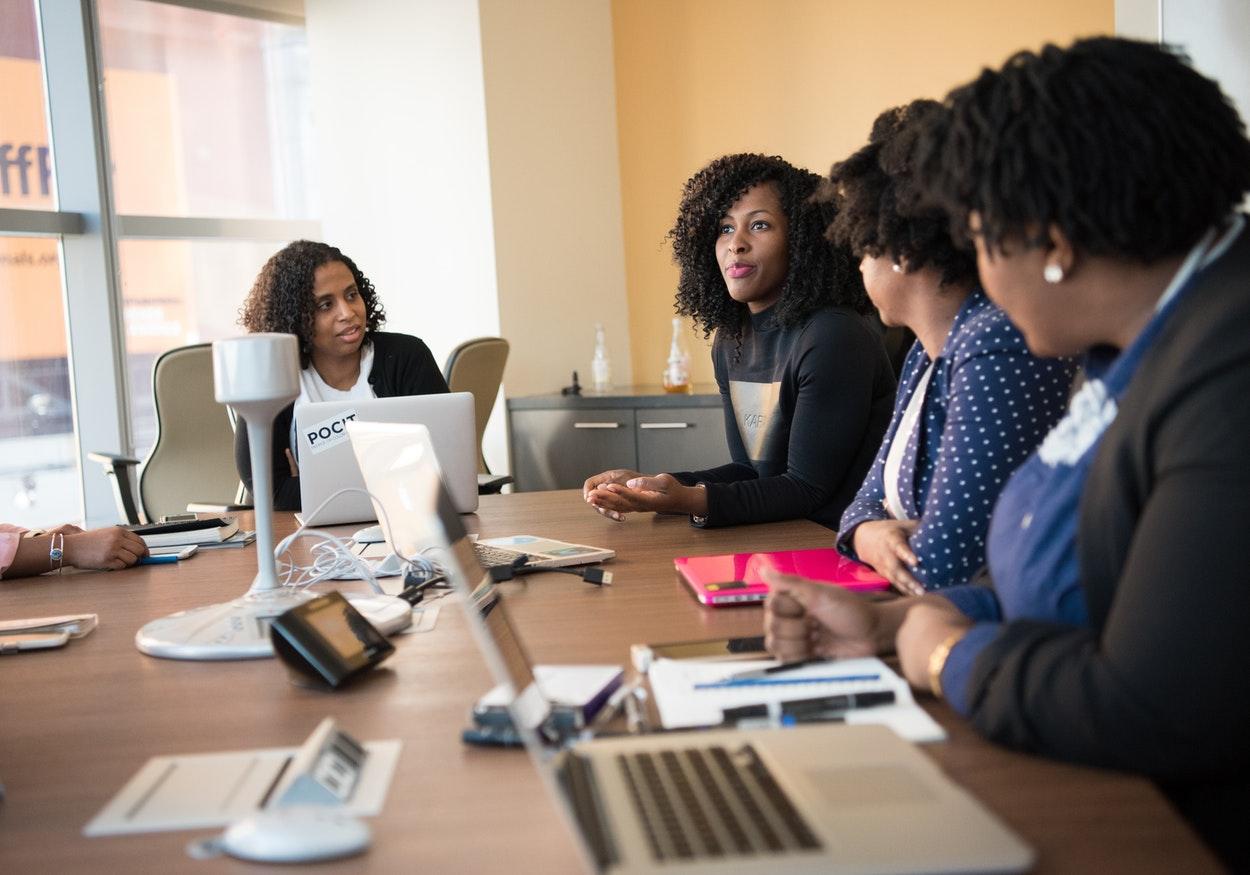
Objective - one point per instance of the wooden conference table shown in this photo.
(76, 723)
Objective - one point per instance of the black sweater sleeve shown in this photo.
(836, 423)
(286, 495)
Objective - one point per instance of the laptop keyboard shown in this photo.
(492, 557)
(710, 802)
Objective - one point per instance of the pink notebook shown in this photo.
(734, 578)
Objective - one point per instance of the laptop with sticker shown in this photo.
(327, 464)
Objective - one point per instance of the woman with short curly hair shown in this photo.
(803, 376)
(317, 293)
(921, 515)
(1101, 185)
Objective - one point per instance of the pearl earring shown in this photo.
(1053, 274)
(897, 268)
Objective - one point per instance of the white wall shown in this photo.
(1216, 35)
(467, 154)
(400, 125)
(556, 188)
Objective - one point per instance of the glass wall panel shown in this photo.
(39, 483)
(208, 114)
(25, 161)
(178, 292)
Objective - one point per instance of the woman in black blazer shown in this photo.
(317, 293)
(1099, 184)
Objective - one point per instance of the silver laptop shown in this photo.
(392, 458)
(327, 464)
(828, 799)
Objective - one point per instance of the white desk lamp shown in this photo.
(257, 375)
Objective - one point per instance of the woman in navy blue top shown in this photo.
(972, 402)
(1099, 185)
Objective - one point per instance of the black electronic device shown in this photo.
(327, 641)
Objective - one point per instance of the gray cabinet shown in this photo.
(557, 442)
(681, 438)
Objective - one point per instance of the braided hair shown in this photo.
(1122, 145)
(819, 274)
(281, 298)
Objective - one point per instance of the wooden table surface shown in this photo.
(76, 723)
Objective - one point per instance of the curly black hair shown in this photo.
(878, 199)
(1122, 145)
(281, 298)
(819, 274)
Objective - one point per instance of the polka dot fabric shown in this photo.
(988, 405)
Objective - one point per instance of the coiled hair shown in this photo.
(281, 298)
(879, 200)
(1122, 145)
(819, 273)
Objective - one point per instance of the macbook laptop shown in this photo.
(327, 464)
(828, 799)
(394, 460)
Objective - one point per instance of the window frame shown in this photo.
(89, 230)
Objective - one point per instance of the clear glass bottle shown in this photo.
(600, 365)
(677, 370)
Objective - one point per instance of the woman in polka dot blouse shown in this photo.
(972, 404)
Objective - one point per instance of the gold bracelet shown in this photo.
(937, 660)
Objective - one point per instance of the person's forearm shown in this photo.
(695, 500)
(32, 557)
(891, 614)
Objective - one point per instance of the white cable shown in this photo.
(333, 558)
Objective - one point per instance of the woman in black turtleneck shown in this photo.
(805, 381)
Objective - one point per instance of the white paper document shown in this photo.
(198, 791)
(570, 686)
(689, 692)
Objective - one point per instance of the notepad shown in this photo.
(74, 625)
(688, 692)
(198, 791)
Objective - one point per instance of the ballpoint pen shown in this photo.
(785, 680)
(818, 710)
(776, 669)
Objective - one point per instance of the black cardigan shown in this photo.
(1159, 683)
(402, 365)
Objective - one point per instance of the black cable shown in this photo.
(593, 574)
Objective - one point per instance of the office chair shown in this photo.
(192, 460)
(477, 366)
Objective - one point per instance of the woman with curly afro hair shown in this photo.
(1101, 185)
(921, 515)
(317, 293)
(804, 378)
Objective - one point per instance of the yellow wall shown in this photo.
(800, 78)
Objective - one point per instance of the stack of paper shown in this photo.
(691, 692)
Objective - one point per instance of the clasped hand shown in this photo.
(803, 619)
(620, 491)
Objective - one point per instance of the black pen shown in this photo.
(800, 708)
(825, 708)
(776, 669)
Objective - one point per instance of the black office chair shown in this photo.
(192, 460)
(477, 366)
